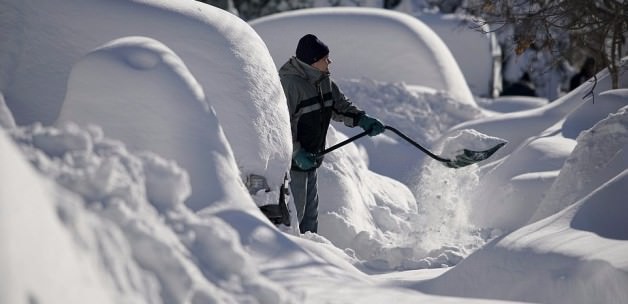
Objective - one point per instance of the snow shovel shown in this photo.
(467, 157)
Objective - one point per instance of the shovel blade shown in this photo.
(469, 157)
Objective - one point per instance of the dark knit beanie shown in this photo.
(310, 49)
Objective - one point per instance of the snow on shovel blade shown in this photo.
(469, 157)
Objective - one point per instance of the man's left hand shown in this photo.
(371, 125)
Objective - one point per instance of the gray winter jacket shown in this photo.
(313, 100)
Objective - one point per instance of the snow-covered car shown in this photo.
(360, 46)
(203, 103)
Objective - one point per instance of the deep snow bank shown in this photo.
(540, 142)
(576, 254)
(43, 40)
(518, 127)
(141, 93)
(121, 232)
(600, 154)
(33, 218)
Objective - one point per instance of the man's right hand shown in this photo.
(304, 160)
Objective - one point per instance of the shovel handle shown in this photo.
(405, 137)
(414, 143)
(343, 143)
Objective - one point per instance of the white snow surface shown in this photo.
(45, 43)
(128, 130)
(470, 46)
(410, 52)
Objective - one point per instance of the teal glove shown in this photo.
(304, 160)
(371, 125)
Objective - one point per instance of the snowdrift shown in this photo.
(43, 41)
(152, 102)
(543, 139)
(117, 230)
(569, 243)
(553, 260)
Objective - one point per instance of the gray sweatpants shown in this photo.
(304, 188)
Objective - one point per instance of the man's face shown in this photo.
(323, 64)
